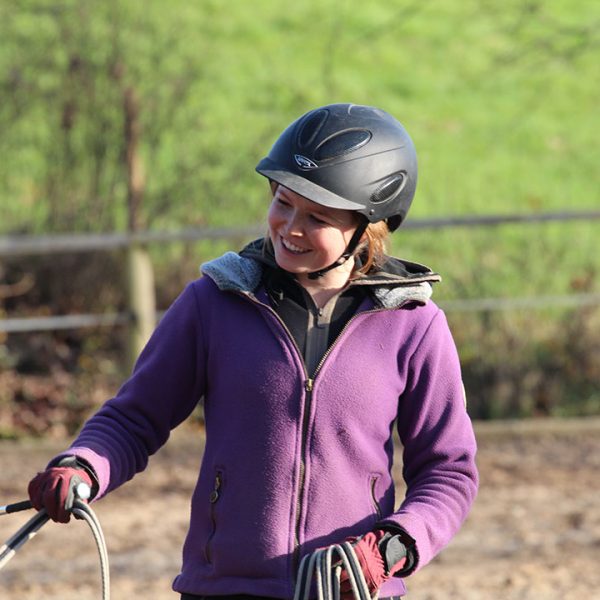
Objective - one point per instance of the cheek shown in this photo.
(328, 243)
(334, 243)
(272, 218)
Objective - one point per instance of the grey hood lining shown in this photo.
(235, 273)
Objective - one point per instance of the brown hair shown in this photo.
(372, 249)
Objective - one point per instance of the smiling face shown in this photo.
(308, 237)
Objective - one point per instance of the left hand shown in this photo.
(55, 490)
(371, 563)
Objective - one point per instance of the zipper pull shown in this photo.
(308, 384)
(214, 495)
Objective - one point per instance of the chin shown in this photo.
(290, 267)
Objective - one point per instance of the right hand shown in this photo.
(55, 490)
(372, 563)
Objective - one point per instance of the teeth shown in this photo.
(292, 247)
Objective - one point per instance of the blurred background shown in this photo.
(129, 132)
(127, 124)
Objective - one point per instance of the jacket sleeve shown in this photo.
(166, 384)
(439, 446)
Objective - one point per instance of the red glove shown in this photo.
(54, 490)
(371, 563)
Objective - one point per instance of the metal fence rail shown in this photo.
(15, 245)
(525, 303)
(75, 243)
(22, 245)
(83, 321)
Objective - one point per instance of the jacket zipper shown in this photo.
(308, 388)
(213, 499)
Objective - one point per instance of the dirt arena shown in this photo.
(534, 533)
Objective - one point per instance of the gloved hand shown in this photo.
(370, 553)
(54, 488)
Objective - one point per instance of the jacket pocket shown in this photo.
(213, 500)
(373, 494)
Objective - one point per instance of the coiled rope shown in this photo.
(324, 567)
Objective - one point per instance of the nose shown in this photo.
(293, 225)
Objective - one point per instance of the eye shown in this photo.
(318, 220)
(282, 201)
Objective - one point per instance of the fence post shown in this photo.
(141, 300)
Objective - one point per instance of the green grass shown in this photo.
(500, 98)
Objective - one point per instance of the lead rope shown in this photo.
(324, 566)
(83, 511)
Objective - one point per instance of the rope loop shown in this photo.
(324, 566)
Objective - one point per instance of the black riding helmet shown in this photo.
(351, 157)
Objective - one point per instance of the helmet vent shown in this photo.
(311, 127)
(342, 143)
(389, 189)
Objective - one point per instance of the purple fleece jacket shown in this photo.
(286, 468)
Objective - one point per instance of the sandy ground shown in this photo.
(534, 533)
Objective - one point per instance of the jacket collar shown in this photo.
(396, 283)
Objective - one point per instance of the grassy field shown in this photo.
(499, 97)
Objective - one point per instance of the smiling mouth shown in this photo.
(292, 247)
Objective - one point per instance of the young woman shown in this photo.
(307, 347)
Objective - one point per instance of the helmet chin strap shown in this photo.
(350, 248)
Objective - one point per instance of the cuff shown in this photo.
(78, 463)
(394, 546)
